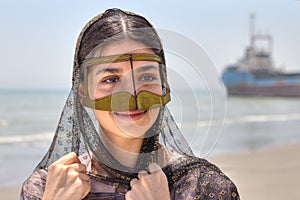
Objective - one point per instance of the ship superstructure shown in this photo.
(255, 74)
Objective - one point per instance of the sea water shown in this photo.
(212, 124)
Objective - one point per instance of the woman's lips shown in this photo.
(131, 115)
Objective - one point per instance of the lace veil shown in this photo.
(78, 130)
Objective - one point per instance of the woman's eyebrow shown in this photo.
(109, 70)
(146, 68)
(118, 70)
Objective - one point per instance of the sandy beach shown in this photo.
(270, 173)
(10, 192)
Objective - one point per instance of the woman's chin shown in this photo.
(133, 124)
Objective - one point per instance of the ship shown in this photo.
(254, 74)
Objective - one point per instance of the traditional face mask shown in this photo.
(142, 87)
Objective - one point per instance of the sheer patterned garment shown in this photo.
(189, 177)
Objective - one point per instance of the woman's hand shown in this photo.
(67, 179)
(151, 186)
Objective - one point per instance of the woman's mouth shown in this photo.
(131, 115)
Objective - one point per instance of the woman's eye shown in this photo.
(148, 78)
(111, 80)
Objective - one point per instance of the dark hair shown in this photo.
(115, 25)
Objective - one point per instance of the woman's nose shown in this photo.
(127, 83)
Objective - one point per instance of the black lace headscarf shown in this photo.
(78, 130)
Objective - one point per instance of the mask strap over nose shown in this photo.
(133, 80)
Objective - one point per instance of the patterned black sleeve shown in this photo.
(33, 188)
(204, 180)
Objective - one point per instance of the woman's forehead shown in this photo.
(125, 47)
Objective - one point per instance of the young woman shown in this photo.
(116, 139)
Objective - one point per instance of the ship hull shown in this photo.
(270, 90)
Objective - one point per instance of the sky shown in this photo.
(38, 37)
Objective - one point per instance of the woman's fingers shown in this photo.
(158, 173)
(84, 177)
(68, 159)
(152, 185)
(78, 167)
(154, 168)
(86, 188)
(133, 182)
(142, 173)
(67, 179)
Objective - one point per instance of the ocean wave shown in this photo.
(200, 124)
(26, 138)
(243, 119)
(3, 123)
(264, 118)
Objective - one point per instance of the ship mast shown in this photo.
(252, 29)
(250, 52)
(260, 57)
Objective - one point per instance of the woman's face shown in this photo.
(118, 78)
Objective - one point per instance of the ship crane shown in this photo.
(255, 75)
(259, 54)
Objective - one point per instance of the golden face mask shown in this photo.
(108, 86)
